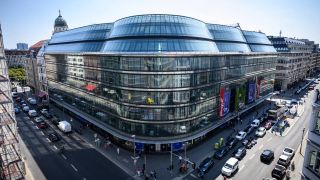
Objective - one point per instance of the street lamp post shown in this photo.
(302, 139)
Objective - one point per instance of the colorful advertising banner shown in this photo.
(224, 102)
(251, 91)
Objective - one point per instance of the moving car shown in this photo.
(278, 171)
(284, 160)
(38, 119)
(240, 153)
(53, 137)
(32, 113)
(249, 129)
(267, 156)
(64, 126)
(288, 152)
(241, 135)
(43, 111)
(42, 125)
(204, 166)
(231, 142)
(261, 131)
(55, 120)
(16, 110)
(255, 123)
(230, 167)
(221, 152)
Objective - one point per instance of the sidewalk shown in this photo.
(160, 162)
(299, 159)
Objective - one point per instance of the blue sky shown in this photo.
(32, 20)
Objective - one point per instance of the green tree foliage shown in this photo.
(17, 74)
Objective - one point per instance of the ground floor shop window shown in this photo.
(314, 161)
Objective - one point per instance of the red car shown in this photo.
(42, 125)
(268, 125)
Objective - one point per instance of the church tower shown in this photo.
(60, 24)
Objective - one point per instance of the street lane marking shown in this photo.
(55, 147)
(37, 127)
(269, 139)
(261, 147)
(74, 168)
(42, 133)
(48, 139)
(64, 157)
(252, 156)
(241, 168)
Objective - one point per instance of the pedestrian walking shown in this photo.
(118, 151)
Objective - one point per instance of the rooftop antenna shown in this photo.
(280, 33)
(59, 12)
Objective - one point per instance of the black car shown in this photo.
(267, 156)
(231, 142)
(240, 153)
(249, 129)
(55, 120)
(204, 166)
(278, 171)
(220, 153)
(47, 115)
(53, 137)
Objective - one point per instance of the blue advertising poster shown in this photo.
(139, 146)
(226, 100)
(177, 146)
(251, 92)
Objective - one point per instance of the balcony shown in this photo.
(4, 99)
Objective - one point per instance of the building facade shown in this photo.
(22, 46)
(16, 58)
(294, 61)
(11, 166)
(311, 165)
(163, 78)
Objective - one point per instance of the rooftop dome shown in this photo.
(60, 22)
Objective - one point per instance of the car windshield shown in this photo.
(205, 163)
(240, 133)
(288, 150)
(266, 153)
(228, 166)
(278, 167)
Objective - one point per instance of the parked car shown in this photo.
(249, 143)
(268, 125)
(249, 129)
(26, 109)
(230, 167)
(221, 152)
(18, 99)
(43, 111)
(38, 119)
(241, 135)
(53, 137)
(284, 160)
(240, 153)
(204, 166)
(22, 102)
(288, 152)
(231, 142)
(32, 113)
(255, 123)
(261, 131)
(42, 125)
(15, 94)
(33, 102)
(16, 110)
(278, 171)
(23, 105)
(267, 156)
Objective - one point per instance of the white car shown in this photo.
(261, 131)
(255, 123)
(32, 113)
(43, 111)
(230, 167)
(241, 135)
(288, 152)
(39, 119)
(26, 109)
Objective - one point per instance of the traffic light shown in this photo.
(194, 165)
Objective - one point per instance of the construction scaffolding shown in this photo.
(11, 165)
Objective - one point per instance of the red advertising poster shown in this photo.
(221, 102)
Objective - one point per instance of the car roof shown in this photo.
(282, 156)
(232, 160)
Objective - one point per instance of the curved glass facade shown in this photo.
(159, 84)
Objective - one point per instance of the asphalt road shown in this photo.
(78, 161)
(250, 166)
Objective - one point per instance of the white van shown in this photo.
(64, 126)
(32, 113)
(230, 167)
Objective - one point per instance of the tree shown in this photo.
(17, 74)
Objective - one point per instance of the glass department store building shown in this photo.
(163, 78)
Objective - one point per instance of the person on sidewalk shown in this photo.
(118, 151)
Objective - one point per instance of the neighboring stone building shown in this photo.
(16, 58)
(294, 61)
